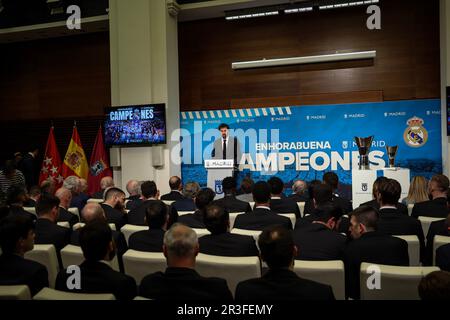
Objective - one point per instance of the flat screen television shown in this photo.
(140, 125)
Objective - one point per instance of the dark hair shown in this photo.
(229, 184)
(247, 185)
(322, 193)
(390, 191)
(10, 167)
(174, 183)
(367, 216)
(95, 237)
(327, 211)
(216, 219)
(276, 185)
(204, 197)
(224, 125)
(12, 229)
(311, 186)
(111, 192)
(277, 247)
(261, 192)
(331, 179)
(156, 214)
(435, 286)
(441, 182)
(376, 183)
(149, 189)
(46, 203)
(35, 191)
(14, 193)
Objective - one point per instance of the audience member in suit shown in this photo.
(309, 204)
(30, 167)
(180, 281)
(114, 207)
(47, 231)
(319, 240)
(370, 246)
(374, 203)
(105, 183)
(262, 216)
(437, 207)
(245, 192)
(80, 199)
(299, 191)
(229, 201)
(15, 199)
(150, 193)
(134, 190)
(221, 242)
(73, 184)
(435, 286)
(48, 186)
(391, 221)
(17, 238)
(322, 195)
(33, 196)
(151, 240)
(280, 283)
(94, 212)
(176, 188)
(441, 228)
(443, 257)
(277, 202)
(187, 203)
(65, 198)
(96, 274)
(195, 220)
(331, 179)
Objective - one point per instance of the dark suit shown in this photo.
(172, 196)
(374, 204)
(443, 257)
(65, 215)
(15, 270)
(285, 205)
(138, 214)
(315, 241)
(147, 240)
(228, 245)
(79, 201)
(183, 284)
(436, 228)
(281, 285)
(98, 195)
(48, 232)
(436, 208)
(392, 222)
(261, 218)
(134, 202)
(114, 216)
(30, 203)
(19, 211)
(298, 198)
(372, 247)
(342, 203)
(231, 204)
(98, 277)
(193, 220)
(29, 170)
(184, 205)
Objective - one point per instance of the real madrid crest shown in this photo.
(415, 135)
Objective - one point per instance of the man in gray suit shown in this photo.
(227, 147)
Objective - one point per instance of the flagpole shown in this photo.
(75, 123)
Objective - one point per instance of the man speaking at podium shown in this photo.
(227, 147)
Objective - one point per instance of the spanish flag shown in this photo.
(75, 162)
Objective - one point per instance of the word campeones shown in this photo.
(305, 161)
(143, 114)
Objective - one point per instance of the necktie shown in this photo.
(224, 149)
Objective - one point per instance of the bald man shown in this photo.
(93, 212)
(299, 194)
(105, 183)
(134, 190)
(65, 197)
(176, 188)
(180, 281)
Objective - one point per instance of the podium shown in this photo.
(217, 171)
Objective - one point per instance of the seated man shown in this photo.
(151, 240)
(229, 201)
(221, 242)
(322, 195)
(437, 208)
(96, 274)
(195, 220)
(309, 204)
(299, 191)
(33, 196)
(245, 192)
(17, 238)
(150, 194)
(187, 203)
(114, 207)
(443, 257)
(134, 190)
(176, 188)
(280, 283)
(369, 246)
(441, 228)
(15, 200)
(277, 202)
(105, 183)
(262, 216)
(80, 199)
(332, 179)
(319, 240)
(435, 286)
(180, 281)
(65, 198)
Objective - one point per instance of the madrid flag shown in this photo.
(51, 166)
(75, 162)
(99, 164)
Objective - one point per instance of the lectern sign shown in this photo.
(219, 164)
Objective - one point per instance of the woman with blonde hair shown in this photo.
(418, 191)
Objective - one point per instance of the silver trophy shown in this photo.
(364, 145)
(392, 152)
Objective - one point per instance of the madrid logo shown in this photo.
(218, 186)
(415, 135)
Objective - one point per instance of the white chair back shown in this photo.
(301, 207)
(30, 210)
(291, 216)
(327, 272)
(252, 205)
(183, 213)
(21, 292)
(413, 249)
(396, 283)
(426, 222)
(95, 201)
(410, 208)
(45, 254)
(232, 269)
(79, 225)
(73, 255)
(138, 264)
(168, 202)
(437, 242)
(201, 232)
(74, 211)
(233, 216)
(51, 294)
(253, 233)
(64, 224)
(129, 229)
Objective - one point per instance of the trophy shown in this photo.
(364, 145)
(392, 152)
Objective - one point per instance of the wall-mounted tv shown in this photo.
(135, 125)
